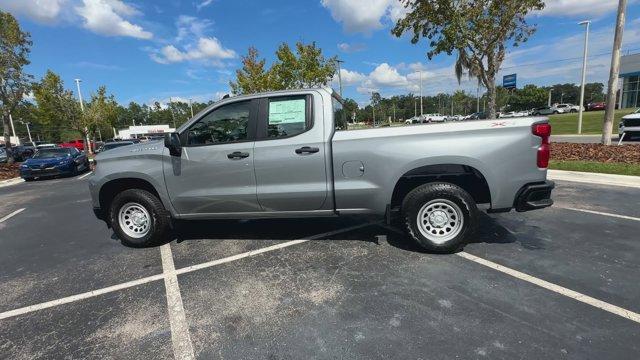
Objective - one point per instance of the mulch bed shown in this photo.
(629, 154)
(9, 171)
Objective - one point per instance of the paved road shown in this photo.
(344, 294)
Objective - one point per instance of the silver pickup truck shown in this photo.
(291, 154)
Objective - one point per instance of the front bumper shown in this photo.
(534, 196)
(56, 170)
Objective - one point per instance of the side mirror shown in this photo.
(172, 142)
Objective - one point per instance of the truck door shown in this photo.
(214, 174)
(290, 155)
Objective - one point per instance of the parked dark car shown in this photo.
(23, 152)
(54, 162)
(113, 145)
(3, 155)
(596, 106)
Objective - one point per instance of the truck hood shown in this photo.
(149, 148)
(631, 116)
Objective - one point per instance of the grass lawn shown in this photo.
(566, 124)
(596, 167)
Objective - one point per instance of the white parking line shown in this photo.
(11, 215)
(133, 283)
(85, 175)
(182, 345)
(601, 213)
(77, 297)
(628, 314)
(547, 285)
(267, 249)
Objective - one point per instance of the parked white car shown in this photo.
(435, 117)
(567, 108)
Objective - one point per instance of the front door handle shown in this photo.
(307, 150)
(238, 155)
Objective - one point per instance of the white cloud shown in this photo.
(349, 78)
(351, 48)
(563, 8)
(204, 3)
(43, 11)
(105, 17)
(362, 16)
(190, 26)
(207, 49)
(386, 75)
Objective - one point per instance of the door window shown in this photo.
(287, 117)
(226, 124)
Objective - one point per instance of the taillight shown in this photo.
(544, 151)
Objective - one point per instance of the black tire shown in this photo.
(158, 222)
(448, 193)
(573, 111)
(29, 179)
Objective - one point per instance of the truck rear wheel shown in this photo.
(138, 218)
(440, 217)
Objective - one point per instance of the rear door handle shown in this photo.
(238, 155)
(307, 150)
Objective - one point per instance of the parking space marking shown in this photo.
(12, 215)
(133, 283)
(600, 213)
(182, 345)
(269, 248)
(85, 175)
(77, 297)
(628, 314)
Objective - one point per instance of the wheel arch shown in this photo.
(465, 176)
(115, 186)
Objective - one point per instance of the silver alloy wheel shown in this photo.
(440, 220)
(134, 220)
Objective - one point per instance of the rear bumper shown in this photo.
(534, 196)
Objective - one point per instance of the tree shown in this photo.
(15, 46)
(479, 31)
(305, 68)
(253, 77)
(101, 111)
(47, 94)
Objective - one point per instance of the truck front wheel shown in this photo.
(138, 218)
(440, 217)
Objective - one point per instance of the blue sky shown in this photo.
(151, 50)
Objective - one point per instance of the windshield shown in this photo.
(51, 153)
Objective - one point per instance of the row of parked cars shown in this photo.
(41, 159)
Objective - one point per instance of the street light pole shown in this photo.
(28, 130)
(421, 109)
(86, 130)
(191, 106)
(340, 75)
(80, 94)
(584, 72)
(607, 127)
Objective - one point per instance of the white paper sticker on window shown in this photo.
(286, 111)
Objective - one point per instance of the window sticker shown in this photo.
(287, 111)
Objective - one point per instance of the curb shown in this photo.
(594, 178)
(10, 182)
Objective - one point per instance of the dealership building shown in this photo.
(145, 130)
(630, 78)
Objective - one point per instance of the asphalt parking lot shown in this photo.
(556, 283)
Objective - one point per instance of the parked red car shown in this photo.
(78, 144)
(596, 106)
